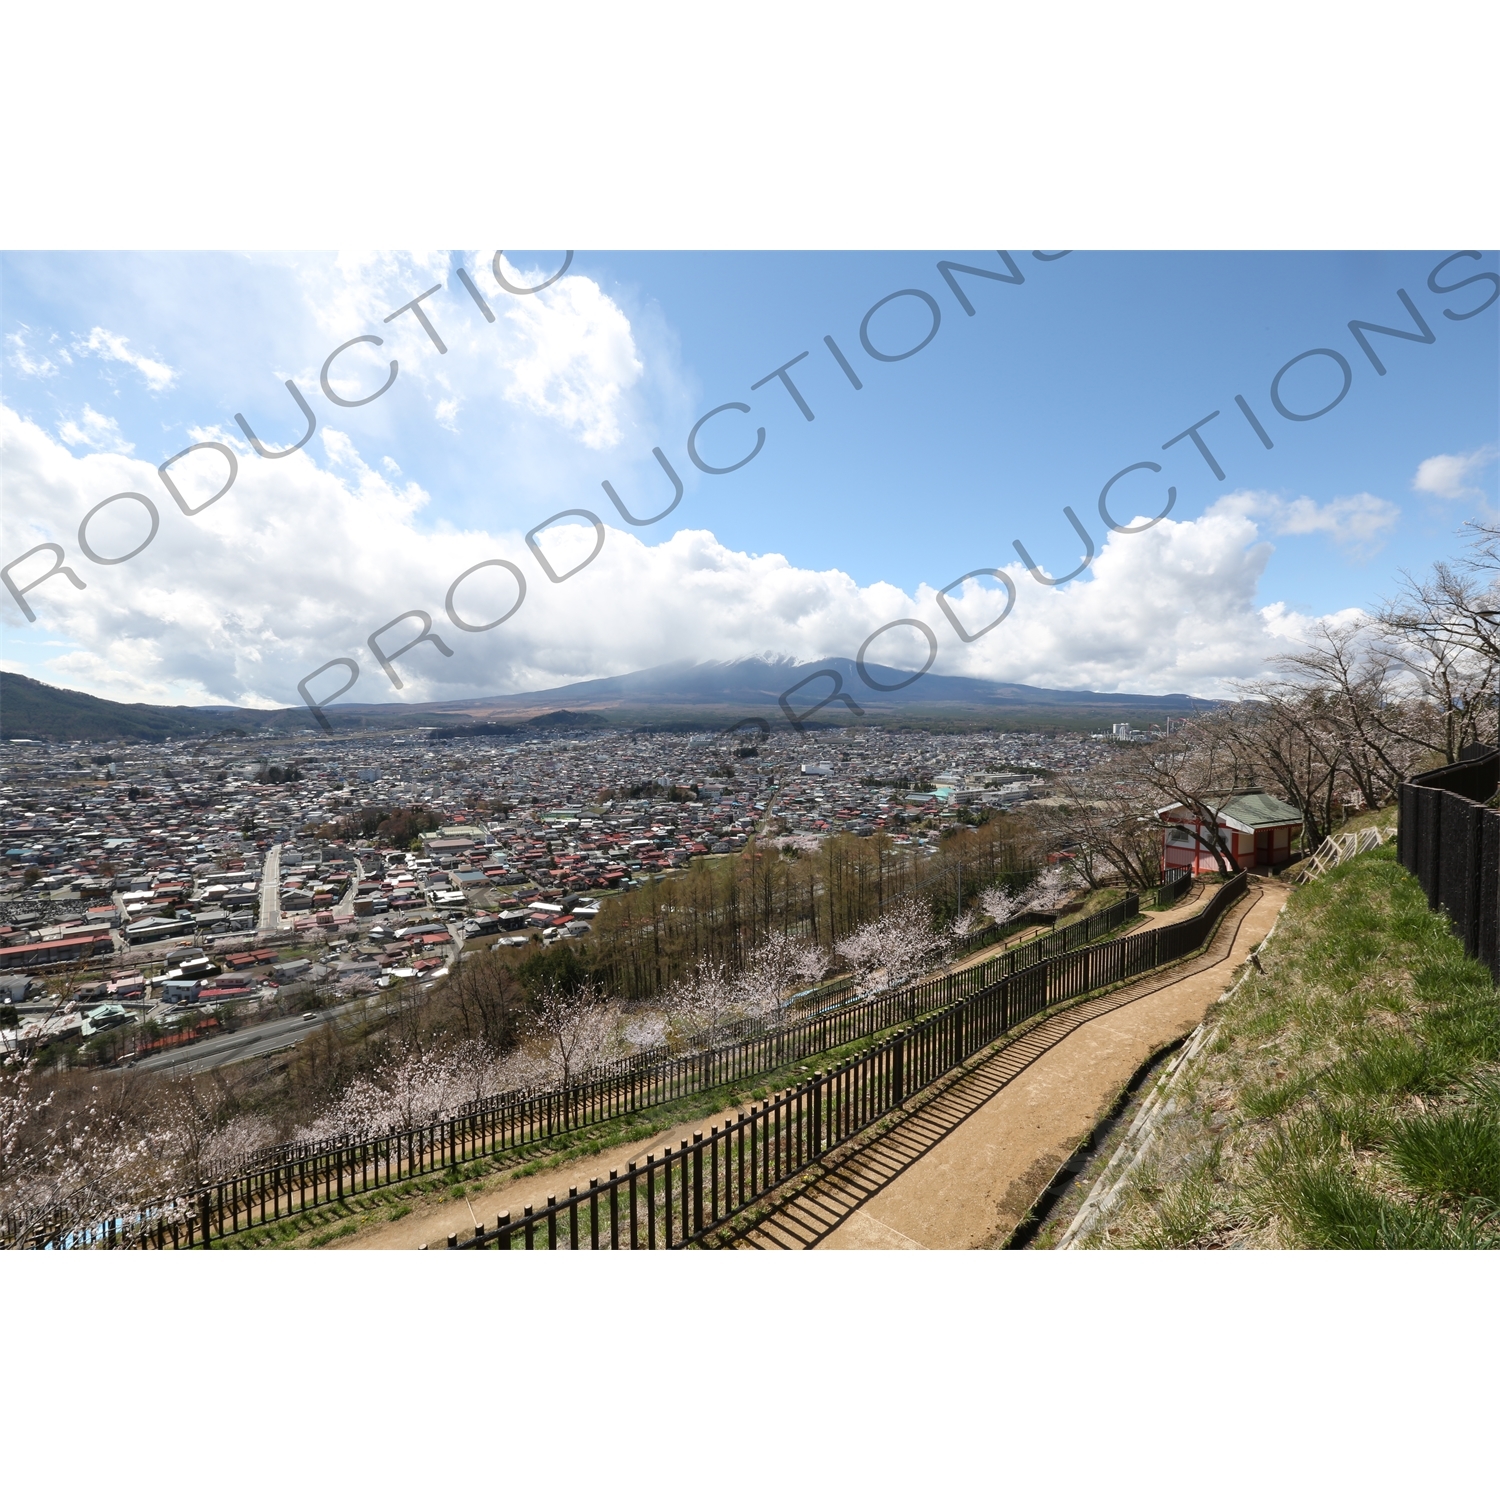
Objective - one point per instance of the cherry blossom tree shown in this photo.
(780, 964)
(1050, 887)
(1001, 904)
(69, 1166)
(580, 1026)
(702, 1003)
(896, 945)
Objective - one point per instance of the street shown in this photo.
(253, 1041)
(270, 890)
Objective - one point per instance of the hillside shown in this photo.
(37, 711)
(1347, 1095)
(34, 710)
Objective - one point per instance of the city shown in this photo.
(180, 884)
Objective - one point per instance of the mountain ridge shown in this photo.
(672, 694)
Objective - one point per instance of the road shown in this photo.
(254, 1041)
(345, 908)
(270, 890)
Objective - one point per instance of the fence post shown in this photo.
(635, 1236)
(502, 1228)
(651, 1201)
(1488, 891)
(817, 1115)
(666, 1167)
(898, 1060)
(697, 1182)
(203, 1216)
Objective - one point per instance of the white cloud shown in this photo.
(111, 346)
(96, 431)
(567, 353)
(575, 358)
(1446, 474)
(22, 359)
(299, 564)
(1357, 524)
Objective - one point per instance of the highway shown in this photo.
(253, 1041)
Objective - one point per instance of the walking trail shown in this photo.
(970, 1174)
(431, 1223)
(961, 1171)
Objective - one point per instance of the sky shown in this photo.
(946, 460)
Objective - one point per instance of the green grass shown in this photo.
(1455, 1155)
(1350, 1098)
(329, 1235)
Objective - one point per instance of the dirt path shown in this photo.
(983, 955)
(435, 1220)
(962, 1170)
(1183, 909)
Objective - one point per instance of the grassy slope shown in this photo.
(1351, 1095)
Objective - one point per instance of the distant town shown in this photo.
(178, 882)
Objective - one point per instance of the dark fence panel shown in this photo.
(1450, 841)
(672, 1203)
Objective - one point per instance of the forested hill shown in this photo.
(33, 710)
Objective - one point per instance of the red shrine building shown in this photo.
(1256, 828)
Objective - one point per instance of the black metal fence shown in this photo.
(691, 1059)
(293, 1178)
(675, 1201)
(1450, 841)
(1172, 889)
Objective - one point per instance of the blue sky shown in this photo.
(930, 470)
